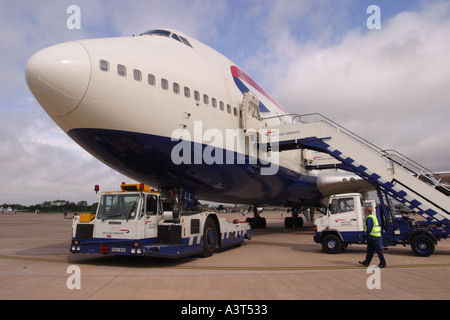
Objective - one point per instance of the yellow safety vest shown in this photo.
(376, 230)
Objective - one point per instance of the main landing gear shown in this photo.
(257, 222)
(289, 222)
(295, 220)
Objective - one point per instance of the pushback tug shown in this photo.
(133, 222)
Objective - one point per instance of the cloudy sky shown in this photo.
(389, 85)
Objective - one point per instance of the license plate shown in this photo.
(122, 250)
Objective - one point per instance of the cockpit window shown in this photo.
(185, 41)
(168, 34)
(163, 33)
(176, 37)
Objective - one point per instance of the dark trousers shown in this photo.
(374, 245)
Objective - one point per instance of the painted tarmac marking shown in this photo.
(225, 268)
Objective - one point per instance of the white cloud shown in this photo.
(39, 163)
(388, 85)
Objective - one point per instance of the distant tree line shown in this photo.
(54, 206)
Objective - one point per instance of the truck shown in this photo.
(343, 224)
(133, 222)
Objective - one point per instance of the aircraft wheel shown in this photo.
(288, 222)
(298, 222)
(257, 223)
(262, 223)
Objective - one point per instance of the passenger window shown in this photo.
(151, 80)
(228, 108)
(214, 102)
(235, 111)
(205, 99)
(222, 106)
(137, 75)
(254, 112)
(196, 95)
(187, 92)
(104, 65)
(121, 70)
(164, 84)
(176, 88)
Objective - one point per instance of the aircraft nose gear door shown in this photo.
(250, 117)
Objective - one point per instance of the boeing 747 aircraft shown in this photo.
(167, 110)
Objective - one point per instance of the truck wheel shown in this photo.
(209, 238)
(331, 244)
(422, 245)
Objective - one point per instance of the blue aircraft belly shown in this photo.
(147, 158)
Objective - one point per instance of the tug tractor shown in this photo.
(133, 222)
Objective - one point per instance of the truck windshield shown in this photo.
(118, 206)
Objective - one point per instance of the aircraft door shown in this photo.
(250, 117)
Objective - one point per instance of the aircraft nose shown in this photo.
(59, 76)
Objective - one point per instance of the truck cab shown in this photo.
(129, 215)
(343, 222)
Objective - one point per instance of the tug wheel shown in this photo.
(209, 238)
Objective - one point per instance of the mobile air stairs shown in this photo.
(388, 171)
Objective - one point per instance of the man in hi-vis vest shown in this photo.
(372, 233)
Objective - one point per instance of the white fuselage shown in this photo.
(122, 99)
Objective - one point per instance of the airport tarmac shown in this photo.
(276, 264)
